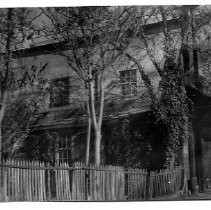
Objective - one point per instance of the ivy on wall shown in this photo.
(171, 114)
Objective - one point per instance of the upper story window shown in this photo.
(59, 95)
(129, 81)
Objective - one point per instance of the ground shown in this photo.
(200, 196)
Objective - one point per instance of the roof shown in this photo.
(74, 117)
(149, 29)
(200, 99)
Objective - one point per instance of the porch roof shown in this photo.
(200, 99)
(62, 117)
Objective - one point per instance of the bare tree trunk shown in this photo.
(96, 118)
(4, 84)
(195, 51)
(0, 143)
(93, 112)
(98, 137)
(88, 135)
(192, 160)
(1, 171)
(98, 134)
(2, 112)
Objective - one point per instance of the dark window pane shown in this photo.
(127, 78)
(63, 142)
(122, 76)
(133, 76)
(59, 95)
(134, 89)
(65, 149)
(60, 143)
(126, 89)
(60, 156)
(68, 156)
(65, 155)
(68, 142)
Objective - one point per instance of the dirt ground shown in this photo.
(200, 196)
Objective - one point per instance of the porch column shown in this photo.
(202, 184)
(192, 160)
(184, 158)
(57, 149)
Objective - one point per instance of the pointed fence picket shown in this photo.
(23, 180)
(165, 182)
(137, 184)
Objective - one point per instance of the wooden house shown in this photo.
(64, 117)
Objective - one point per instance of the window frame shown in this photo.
(65, 148)
(54, 101)
(128, 82)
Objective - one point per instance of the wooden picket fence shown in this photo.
(98, 183)
(165, 182)
(36, 181)
(136, 184)
(22, 181)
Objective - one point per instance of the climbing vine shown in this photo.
(172, 114)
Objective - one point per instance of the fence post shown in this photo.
(1, 183)
(183, 182)
(87, 180)
(148, 185)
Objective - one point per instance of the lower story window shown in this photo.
(64, 156)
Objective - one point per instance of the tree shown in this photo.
(170, 106)
(91, 39)
(171, 43)
(13, 31)
(15, 24)
(200, 24)
(6, 68)
(22, 112)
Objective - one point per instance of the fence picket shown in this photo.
(33, 181)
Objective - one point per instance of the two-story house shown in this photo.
(63, 114)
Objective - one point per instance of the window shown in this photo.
(59, 95)
(65, 148)
(128, 81)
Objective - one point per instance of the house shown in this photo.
(63, 115)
